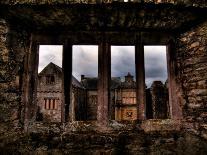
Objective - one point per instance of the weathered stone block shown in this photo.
(161, 125)
(195, 44)
(198, 92)
(3, 27)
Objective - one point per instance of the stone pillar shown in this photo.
(30, 82)
(67, 81)
(139, 60)
(104, 75)
(175, 107)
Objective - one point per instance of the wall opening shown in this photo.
(49, 85)
(123, 104)
(84, 82)
(156, 80)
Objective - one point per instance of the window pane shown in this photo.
(49, 82)
(49, 53)
(123, 104)
(156, 81)
(122, 61)
(84, 82)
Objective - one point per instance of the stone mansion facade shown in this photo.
(123, 101)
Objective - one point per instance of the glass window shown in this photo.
(123, 104)
(157, 99)
(49, 82)
(84, 82)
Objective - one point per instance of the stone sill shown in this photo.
(151, 125)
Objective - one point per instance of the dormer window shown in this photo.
(50, 79)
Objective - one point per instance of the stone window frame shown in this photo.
(104, 42)
(49, 79)
(53, 104)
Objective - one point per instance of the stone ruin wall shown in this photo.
(196, 3)
(49, 115)
(192, 76)
(13, 48)
(53, 91)
(160, 100)
(191, 59)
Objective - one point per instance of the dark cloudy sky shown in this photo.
(85, 61)
(122, 60)
(155, 64)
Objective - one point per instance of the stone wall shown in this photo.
(200, 3)
(78, 108)
(5, 82)
(15, 107)
(125, 104)
(192, 76)
(92, 105)
(160, 100)
(50, 114)
(9, 79)
(13, 49)
(128, 143)
(50, 94)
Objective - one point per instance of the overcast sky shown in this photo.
(155, 64)
(85, 61)
(122, 61)
(49, 53)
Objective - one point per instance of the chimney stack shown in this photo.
(82, 77)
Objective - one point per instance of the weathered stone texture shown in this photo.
(8, 96)
(129, 143)
(191, 57)
(49, 93)
(192, 66)
(197, 3)
(12, 51)
(160, 100)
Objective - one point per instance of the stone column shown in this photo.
(175, 108)
(30, 78)
(67, 87)
(140, 75)
(104, 75)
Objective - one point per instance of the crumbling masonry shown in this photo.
(181, 25)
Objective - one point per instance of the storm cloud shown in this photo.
(122, 60)
(155, 64)
(85, 61)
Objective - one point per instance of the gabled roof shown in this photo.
(76, 83)
(51, 68)
(89, 83)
